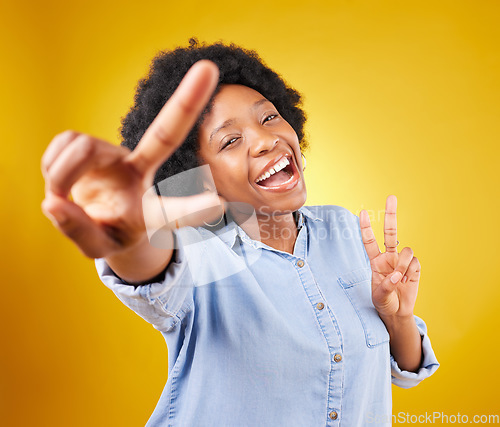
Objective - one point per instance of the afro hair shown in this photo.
(236, 66)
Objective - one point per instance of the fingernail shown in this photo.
(396, 277)
(405, 279)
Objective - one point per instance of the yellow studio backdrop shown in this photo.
(402, 98)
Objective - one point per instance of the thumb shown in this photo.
(389, 283)
(395, 277)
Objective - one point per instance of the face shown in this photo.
(253, 153)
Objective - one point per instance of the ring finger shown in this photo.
(413, 271)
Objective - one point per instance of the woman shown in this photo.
(274, 314)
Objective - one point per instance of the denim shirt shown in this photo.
(261, 337)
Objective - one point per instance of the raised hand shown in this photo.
(108, 182)
(395, 276)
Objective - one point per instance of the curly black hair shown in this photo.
(236, 66)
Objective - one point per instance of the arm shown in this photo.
(405, 342)
(140, 263)
(428, 364)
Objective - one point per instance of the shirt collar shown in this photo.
(306, 212)
(229, 233)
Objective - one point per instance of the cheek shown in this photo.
(290, 133)
(228, 177)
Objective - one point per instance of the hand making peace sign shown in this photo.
(395, 276)
(108, 182)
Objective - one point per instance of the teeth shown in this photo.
(276, 168)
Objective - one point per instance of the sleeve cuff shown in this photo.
(163, 303)
(406, 379)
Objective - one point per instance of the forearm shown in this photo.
(405, 342)
(140, 263)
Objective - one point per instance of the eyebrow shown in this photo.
(230, 122)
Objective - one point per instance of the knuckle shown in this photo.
(44, 164)
(162, 134)
(186, 108)
(49, 178)
(73, 232)
(59, 140)
(68, 135)
(84, 146)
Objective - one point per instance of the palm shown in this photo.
(390, 298)
(112, 196)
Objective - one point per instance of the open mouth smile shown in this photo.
(281, 176)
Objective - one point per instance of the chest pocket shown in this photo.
(357, 286)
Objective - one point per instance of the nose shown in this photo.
(262, 142)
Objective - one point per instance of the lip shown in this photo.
(276, 160)
(283, 187)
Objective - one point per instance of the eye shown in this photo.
(269, 118)
(228, 142)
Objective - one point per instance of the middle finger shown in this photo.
(390, 225)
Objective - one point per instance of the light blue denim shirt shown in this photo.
(260, 337)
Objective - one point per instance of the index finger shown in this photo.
(173, 123)
(367, 235)
(390, 224)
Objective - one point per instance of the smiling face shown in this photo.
(253, 153)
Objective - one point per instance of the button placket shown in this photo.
(328, 325)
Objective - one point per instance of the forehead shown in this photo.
(232, 105)
(233, 97)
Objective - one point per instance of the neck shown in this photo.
(276, 231)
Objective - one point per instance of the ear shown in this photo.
(207, 181)
(204, 179)
(207, 186)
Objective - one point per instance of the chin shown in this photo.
(287, 205)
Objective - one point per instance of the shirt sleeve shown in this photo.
(406, 379)
(163, 303)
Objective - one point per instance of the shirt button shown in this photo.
(333, 415)
(320, 306)
(300, 263)
(337, 358)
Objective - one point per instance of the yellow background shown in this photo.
(402, 98)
